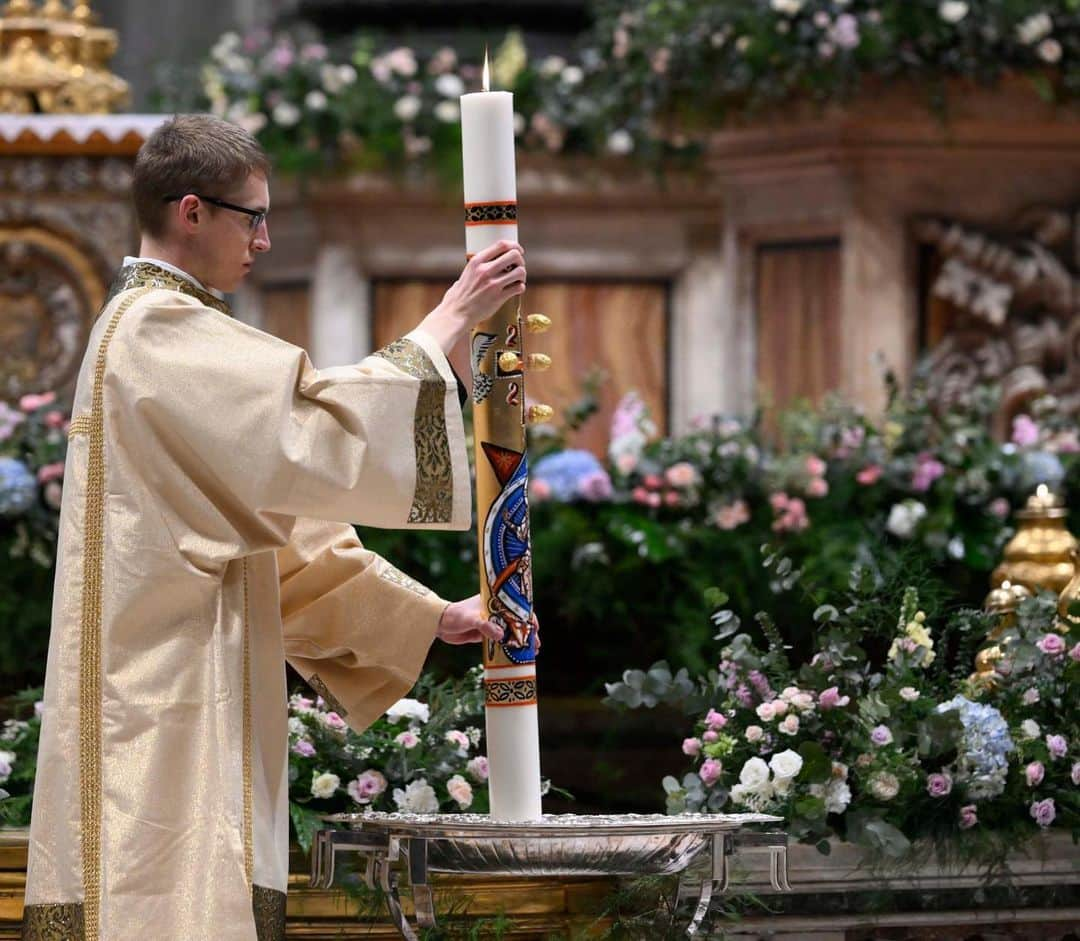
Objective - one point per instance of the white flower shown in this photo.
(1035, 27)
(1049, 50)
(253, 123)
(1030, 697)
(572, 75)
(296, 726)
(460, 790)
(953, 11)
(755, 773)
(955, 548)
(7, 759)
(836, 794)
(552, 66)
(402, 60)
(766, 712)
(474, 735)
(449, 85)
(754, 733)
(742, 44)
(324, 785)
(315, 100)
(519, 123)
(884, 786)
(790, 725)
(286, 114)
(346, 74)
(754, 798)
(786, 764)
(417, 798)
(1030, 729)
(620, 142)
(407, 107)
(447, 111)
(909, 693)
(787, 7)
(904, 517)
(409, 709)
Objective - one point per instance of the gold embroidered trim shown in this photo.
(317, 684)
(90, 638)
(268, 907)
(56, 921)
(398, 577)
(249, 849)
(79, 425)
(143, 274)
(433, 498)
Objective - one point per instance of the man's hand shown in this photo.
(490, 278)
(463, 622)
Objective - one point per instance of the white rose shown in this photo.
(953, 11)
(787, 7)
(835, 793)
(755, 773)
(904, 517)
(286, 114)
(766, 712)
(1049, 50)
(786, 764)
(409, 709)
(315, 100)
(331, 79)
(324, 785)
(779, 708)
(620, 142)
(790, 725)
(447, 111)
(296, 726)
(909, 693)
(460, 790)
(417, 798)
(449, 85)
(884, 786)
(754, 733)
(346, 74)
(552, 66)
(1034, 28)
(407, 107)
(1030, 729)
(572, 75)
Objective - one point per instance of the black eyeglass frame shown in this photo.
(258, 216)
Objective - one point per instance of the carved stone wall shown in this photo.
(65, 225)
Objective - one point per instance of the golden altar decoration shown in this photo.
(1040, 554)
(54, 59)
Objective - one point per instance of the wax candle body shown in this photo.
(490, 186)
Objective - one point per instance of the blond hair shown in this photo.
(191, 153)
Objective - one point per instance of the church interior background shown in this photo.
(833, 331)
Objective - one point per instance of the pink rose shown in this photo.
(1052, 645)
(691, 747)
(1058, 745)
(54, 494)
(1043, 812)
(780, 708)
(31, 402)
(778, 501)
(303, 748)
(818, 487)
(1033, 773)
(653, 481)
(1075, 773)
(710, 736)
(367, 786)
(815, 466)
(715, 720)
(927, 471)
(458, 738)
(477, 769)
(460, 790)
(710, 771)
(654, 500)
(640, 495)
(407, 739)
(869, 475)
(999, 508)
(333, 721)
(766, 712)
(539, 491)
(626, 462)
(54, 419)
(732, 516)
(831, 699)
(1074, 652)
(1024, 431)
(671, 498)
(939, 785)
(681, 475)
(968, 817)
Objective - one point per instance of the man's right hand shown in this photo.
(490, 278)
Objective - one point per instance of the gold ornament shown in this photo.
(1070, 595)
(537, 362)
(1039, 555)
(509, 361)
(537, 323)
(538, 414)
(1002, 601)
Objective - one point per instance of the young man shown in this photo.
(212, 475)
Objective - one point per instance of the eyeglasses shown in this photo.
(258, 216)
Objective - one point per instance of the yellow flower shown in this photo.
(920, 635)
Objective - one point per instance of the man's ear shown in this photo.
(190, 213)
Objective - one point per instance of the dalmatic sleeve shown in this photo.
(240, 433)
(356, 628)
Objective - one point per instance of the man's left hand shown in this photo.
(464, 622)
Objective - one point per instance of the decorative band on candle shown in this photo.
(517, 692)
(499, 213)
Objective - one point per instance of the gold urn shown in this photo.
(1040, 555)
(1070, 595)
(1002, 601)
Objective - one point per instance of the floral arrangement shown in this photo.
(33, 448)
(423, 756)
(18, 757)
(642, 80)
(874, 738)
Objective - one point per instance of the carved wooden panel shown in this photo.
(619, 328)
(797, 299)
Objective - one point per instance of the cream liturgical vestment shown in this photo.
(208, 469)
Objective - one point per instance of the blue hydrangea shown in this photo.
(1041, 467)
(564, 472)
(982, 764)
(18, 488)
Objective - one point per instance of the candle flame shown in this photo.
(487, 71)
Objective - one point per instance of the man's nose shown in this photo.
(261, 241)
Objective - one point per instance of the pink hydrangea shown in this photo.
(1033, 773)
(367, 786)
(1053, 645)
(1024, 431)
(710, 771)
(1043, 812)
(691, 747)
(869, 475)
(968, 817)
